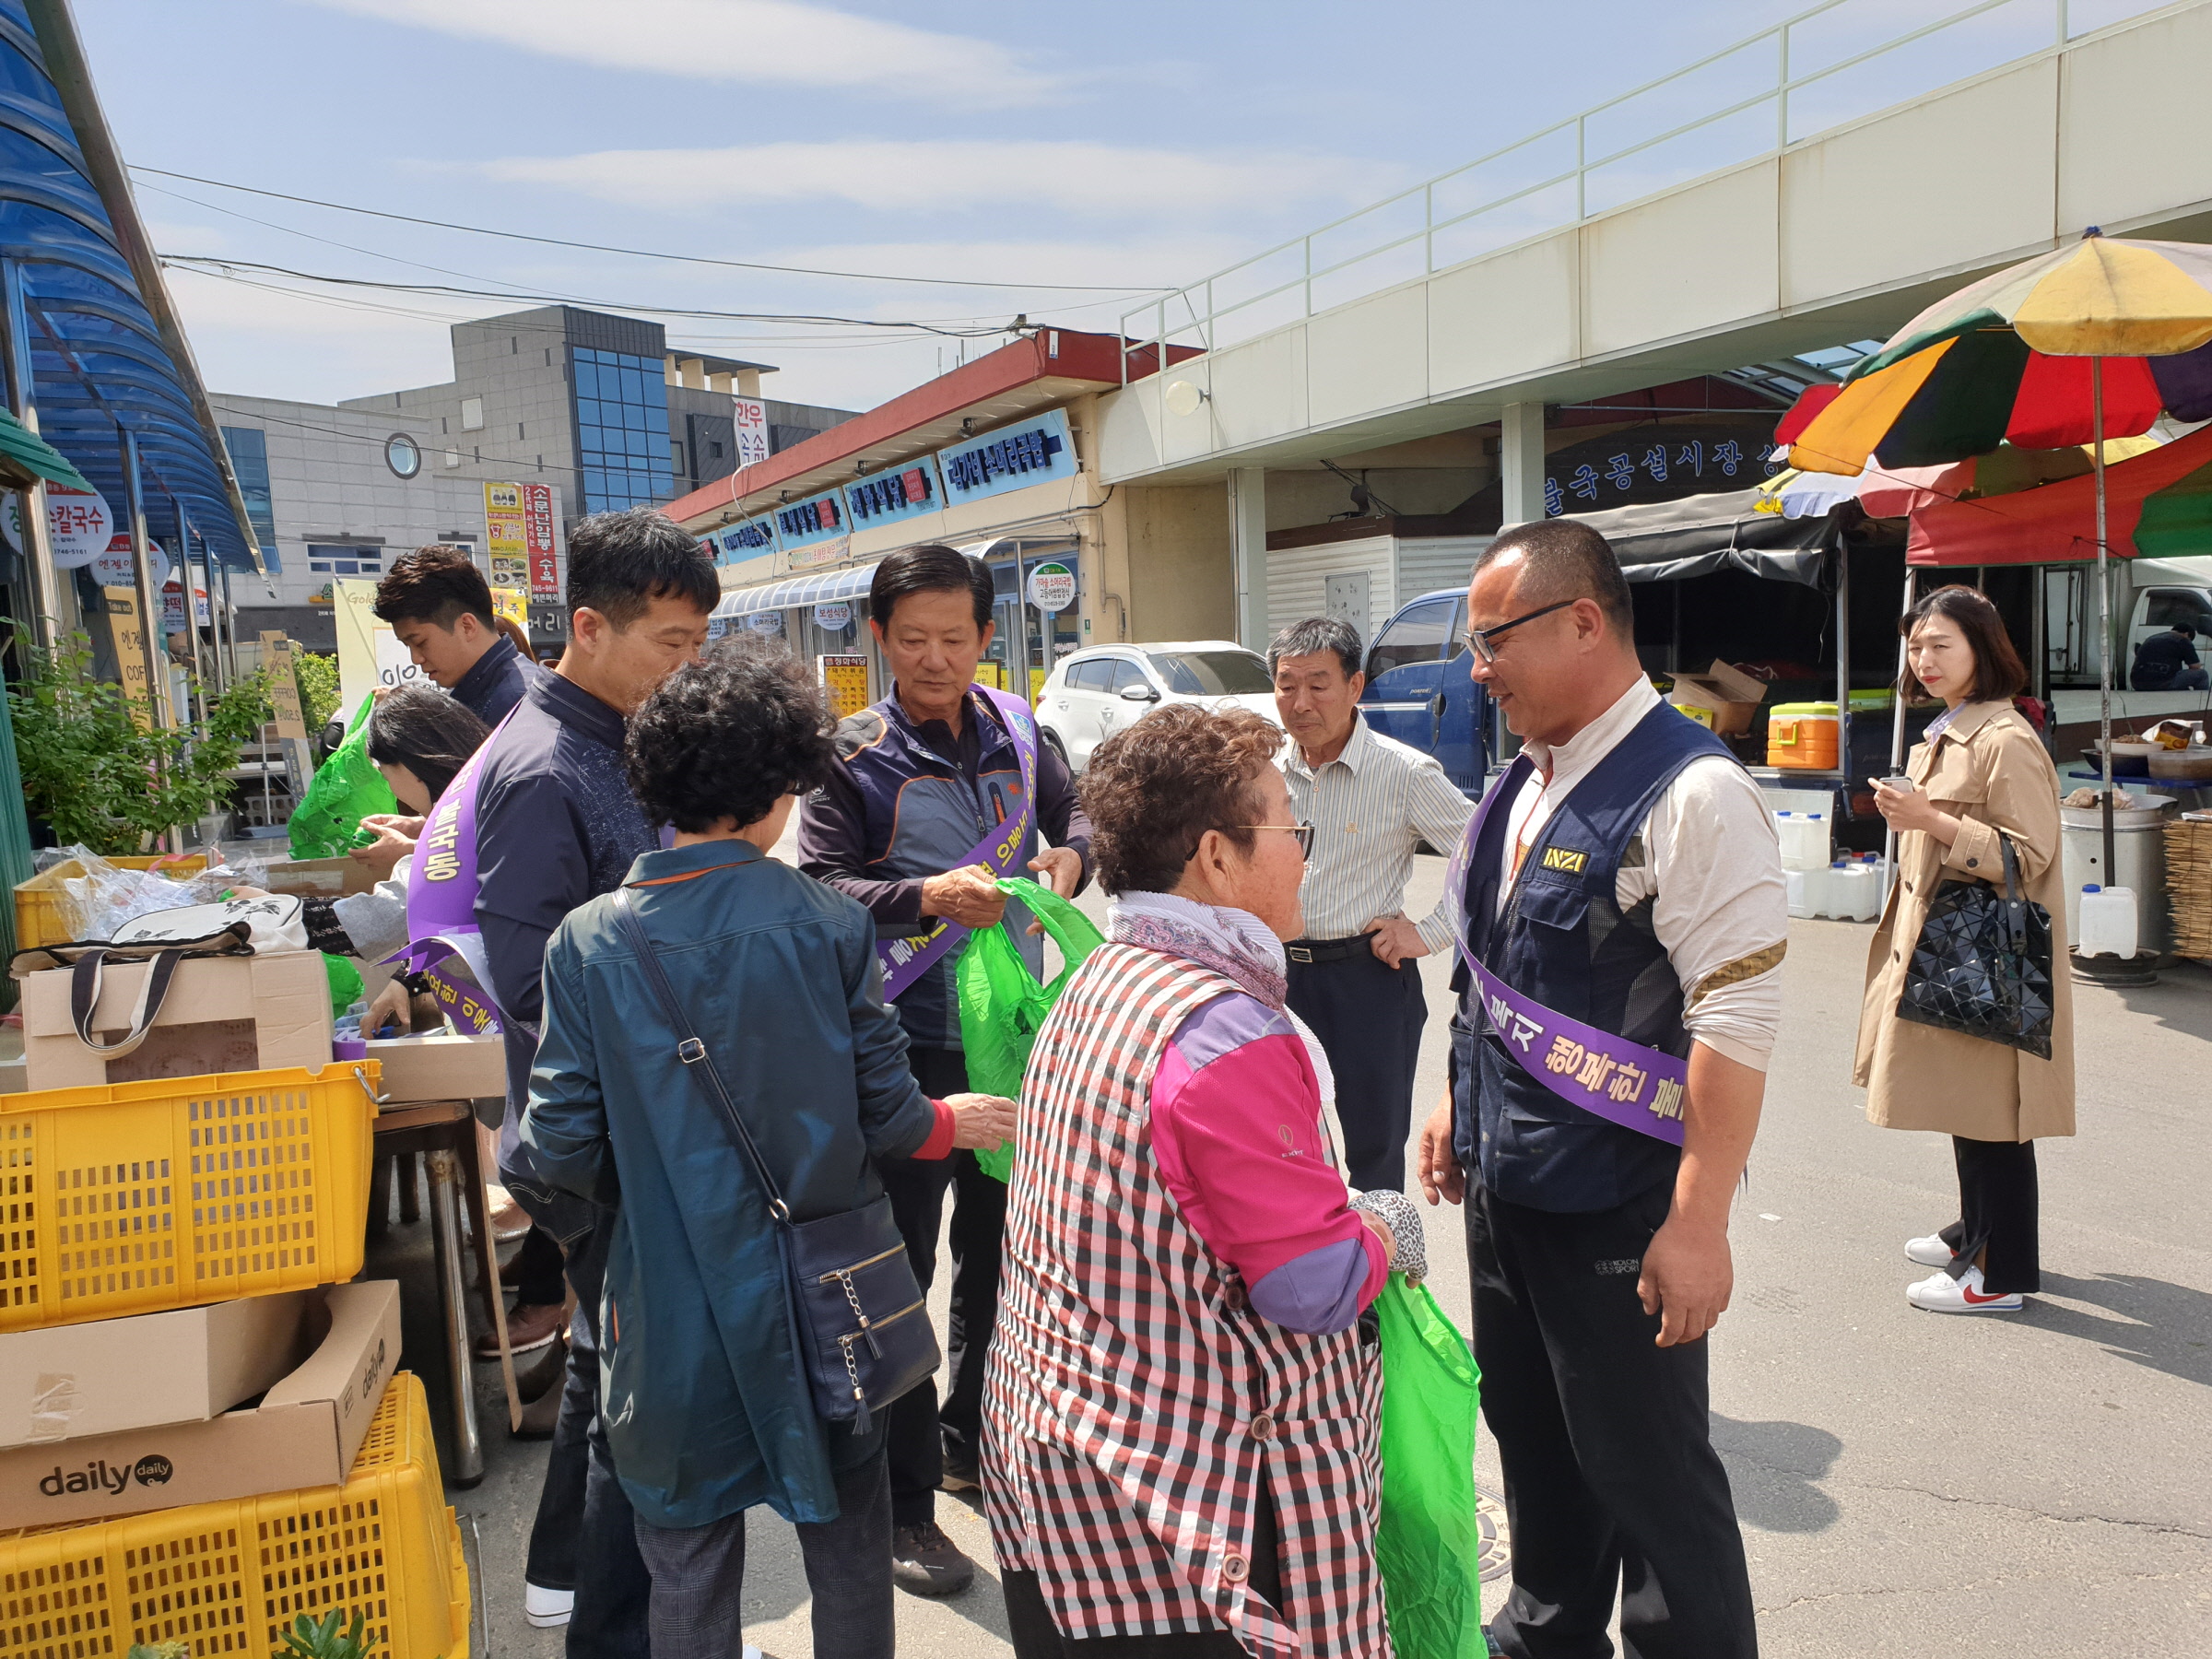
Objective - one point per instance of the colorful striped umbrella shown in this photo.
(2009, 360)
(2083, 343)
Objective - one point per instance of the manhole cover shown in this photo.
(1497, 1555)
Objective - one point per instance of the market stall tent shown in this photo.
(2157, 504)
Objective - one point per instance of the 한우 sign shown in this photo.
(749, 415)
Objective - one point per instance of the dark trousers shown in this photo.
(1031, 1629)
(537, 1269)
(1611, 1481)
(698, 1576)
(584, 1538)
(1369, 1017)
(920, 1432)
(1998, 1211)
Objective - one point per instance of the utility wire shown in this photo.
(208, 263)
(736, 265)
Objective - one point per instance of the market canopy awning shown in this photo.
(798, 590)
(2158, 505)
(1703, 534)
(105, 351)
(24, 455)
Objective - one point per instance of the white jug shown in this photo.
(2108, 921)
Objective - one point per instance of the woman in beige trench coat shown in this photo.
(1981, 770)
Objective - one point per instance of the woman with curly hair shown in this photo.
(1179, 1451)
(707, 1404)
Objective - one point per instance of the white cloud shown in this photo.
(740, 42)
(933, 175)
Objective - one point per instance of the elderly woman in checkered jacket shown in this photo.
(1179, 1423)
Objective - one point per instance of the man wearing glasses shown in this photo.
(1623, 920)
(1370, 802)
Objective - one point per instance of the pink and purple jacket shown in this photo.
(1237, 1134)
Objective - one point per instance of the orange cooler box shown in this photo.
(1803, 734)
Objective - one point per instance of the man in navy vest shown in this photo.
(1626, 878)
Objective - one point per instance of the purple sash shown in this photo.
(1601, 1072)
(904, 961)
(447, 946)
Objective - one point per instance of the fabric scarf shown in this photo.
(1233, 943)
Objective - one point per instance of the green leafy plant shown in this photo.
(95, 777)
(161, 1650)
(328, 1639)
(318, 676)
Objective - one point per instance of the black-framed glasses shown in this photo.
(1303, 832)
(1480, 638)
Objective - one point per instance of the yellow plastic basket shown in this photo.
(45, 916)
(230, 1577)
(135, 1197)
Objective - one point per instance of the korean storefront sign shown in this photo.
(816, 518)
(1051, 588)
(751, 538)
(518, 536)
(1035, 449)
(129, 637)
(833, 619)
(901, 492)
(114, 566)
(750, 417)
(844, 683)
(78, 524)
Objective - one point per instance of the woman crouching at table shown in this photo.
(1180, 1418)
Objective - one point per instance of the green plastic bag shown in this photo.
(1002, 1005)
(1430, 1547)
(346, 986)
(346, 788)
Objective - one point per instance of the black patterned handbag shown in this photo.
(860, 1325)
(1981, 965)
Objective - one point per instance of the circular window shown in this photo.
(403, 455)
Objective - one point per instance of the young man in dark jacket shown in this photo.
(439, 606)
(557, 825)
(923, 779)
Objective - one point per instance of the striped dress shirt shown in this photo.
(1370, 808)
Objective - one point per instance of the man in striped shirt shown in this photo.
(1371, 801)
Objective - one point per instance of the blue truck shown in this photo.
(1419, 690)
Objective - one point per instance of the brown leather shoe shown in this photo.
(529, 1328)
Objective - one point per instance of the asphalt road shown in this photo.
(1910, 1484)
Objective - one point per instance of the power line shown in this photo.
(735, 264)
(208, 263)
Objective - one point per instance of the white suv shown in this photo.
(1094, 693)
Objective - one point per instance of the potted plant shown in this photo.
(95, 777)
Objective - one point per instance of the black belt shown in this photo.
(1329, 950)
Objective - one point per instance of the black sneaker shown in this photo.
(927, 1563)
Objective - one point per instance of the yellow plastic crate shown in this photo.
(136, 1198)
(42, 908)
(230, 1577)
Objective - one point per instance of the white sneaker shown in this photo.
(1930, 1252)
(547, 1609)
(1944, 1294)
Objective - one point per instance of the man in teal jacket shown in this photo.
(708, 1407)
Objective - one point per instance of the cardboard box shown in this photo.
(222, 1014)
(1728, 697)
(320, 877)
(304, 1433)
(117, 1374)
(439, 1066)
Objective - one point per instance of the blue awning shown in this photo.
(99, 364)
(798, 590)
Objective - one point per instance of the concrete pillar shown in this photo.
(1521, 462)
(749, 383)
(1248, 546)
(694, 372)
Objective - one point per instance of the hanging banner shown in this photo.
(1035, 449)
(815, 519)
(78, 524)
(506, 535)
(844, 683)
(130, 652)
(277, 656)
(750, 417)
(836, 550)
(538, 532)
(903, 492)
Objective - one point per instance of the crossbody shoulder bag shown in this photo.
(860, 1323)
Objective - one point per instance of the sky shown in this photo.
(1110, 151)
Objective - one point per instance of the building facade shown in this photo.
(552, 414)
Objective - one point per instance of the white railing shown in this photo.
(1788, 83)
